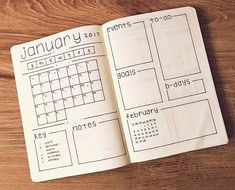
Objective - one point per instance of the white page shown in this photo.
(165, 92)
(69, 116)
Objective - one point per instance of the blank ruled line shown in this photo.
(38, 70)
(100, 115)
(88, 58)
(108, 120)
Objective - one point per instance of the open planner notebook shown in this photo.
(100, 97)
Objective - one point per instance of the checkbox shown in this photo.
(72, 70)
(64, 82)
(88, 98)
(40, 109)
(98, 95)
(61, 115)
(36, 89)
(84, 77)
(86, 87)
(92, 65)
(96, 85)
(34, 79)
(62, 72)
(51, 117)
(81, 67)
(55, 85)
(59, 105)
(94, 75)
(47, 97)
(38, 99)
(68, 102)
(78, 100)
(66, 92)
(53, 75)
(76, 89)
(43, 77)
(49, 107)
(57, 94)
(74, 79)
(42, 119)
(45, 87)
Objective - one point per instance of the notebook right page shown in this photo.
(163, 84)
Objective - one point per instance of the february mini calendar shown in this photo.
(95, 98)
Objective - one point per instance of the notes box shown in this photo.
(131, 47)
(140, 89)
(175, 47)
(98, 145)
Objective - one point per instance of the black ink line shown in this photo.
(154, 70)
(183, 104)
(212, 116)
(134, 65)
(102, 159)
(192, 42)
(48, 126)
(101, 80)
(108, 120)
(84, 44)
(130, 135)
(158, 55)
(100, 115)
(38, 70)
(182, 76)
(36, 155)
(58, 131)
(75, 147)
(119, 85)
(35, 58)
(146, 38)
(144, 69)
(196, 80)
(88, 57)
(69, 148)
(122, 135)
(178, 15)
(186, 96)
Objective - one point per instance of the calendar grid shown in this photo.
(58, 90)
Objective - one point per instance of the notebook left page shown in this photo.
(70, 120)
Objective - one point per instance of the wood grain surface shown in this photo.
(26, 20)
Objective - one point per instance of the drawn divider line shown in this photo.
(145, 69)
(88, 57)
(63, 130)
(38, 70)
(184, 104)
(196, 80)
(108, 120)
(100, 115)
(48, 126)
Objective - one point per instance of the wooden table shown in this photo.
(212, 168)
